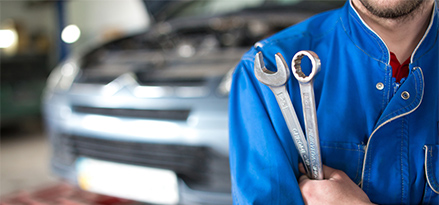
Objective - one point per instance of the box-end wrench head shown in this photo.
(309, 108)
(276, 82)
(297, 68)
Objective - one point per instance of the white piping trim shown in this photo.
(384, 123)
(388, 51)
(426, 32)
(426, 172)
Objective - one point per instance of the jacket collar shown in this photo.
(371, 43)
(430, 37)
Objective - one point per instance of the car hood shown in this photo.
(160, 9)
(165, 10)
(200, 47)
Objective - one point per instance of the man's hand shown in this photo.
(335, 188)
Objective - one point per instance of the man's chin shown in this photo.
(391, 9)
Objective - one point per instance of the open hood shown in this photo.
(164, 10)
(160, 10)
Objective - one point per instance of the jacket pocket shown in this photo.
(347, 157)
(431, 166)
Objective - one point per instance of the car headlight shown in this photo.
(61, 78)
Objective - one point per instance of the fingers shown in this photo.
(328, 172)
(303, 179)
(302, 168)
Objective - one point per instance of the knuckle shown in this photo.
(304, 187)
(340, 173)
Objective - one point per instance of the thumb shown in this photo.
(330, 173)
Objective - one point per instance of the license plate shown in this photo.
(127, 181)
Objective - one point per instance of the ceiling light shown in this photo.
(70, 34)
(7, 38)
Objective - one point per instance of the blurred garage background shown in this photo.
(126, 99)
(32, 43)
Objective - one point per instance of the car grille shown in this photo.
(135, 113)
(200, 167)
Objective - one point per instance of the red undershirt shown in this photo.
(399, 70)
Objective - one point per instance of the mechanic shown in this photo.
(377, 108)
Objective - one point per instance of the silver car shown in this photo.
(145, 117)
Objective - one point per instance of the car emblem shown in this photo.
(125, 80)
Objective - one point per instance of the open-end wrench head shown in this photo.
(269, 77)
(297, 68)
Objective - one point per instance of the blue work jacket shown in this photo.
(385, 139)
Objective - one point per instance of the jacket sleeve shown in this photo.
(263, 159)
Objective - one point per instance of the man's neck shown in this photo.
(401, 35)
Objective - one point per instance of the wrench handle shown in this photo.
(289, 114)
(312, 132)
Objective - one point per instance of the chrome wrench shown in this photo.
(276, 82)
(306, 84)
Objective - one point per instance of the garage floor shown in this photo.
(24, 157)
(25, 177)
